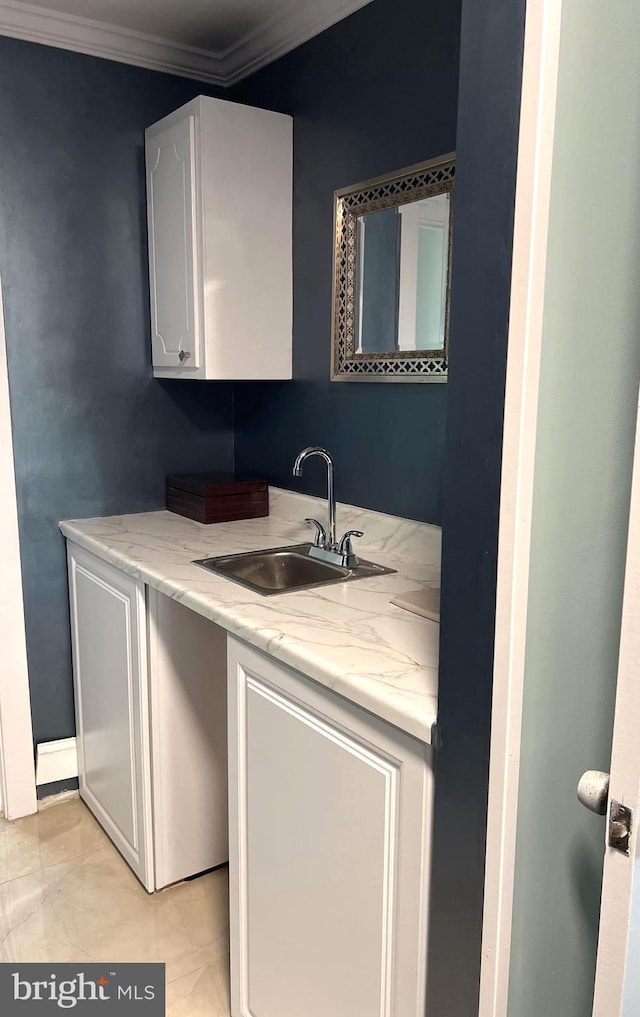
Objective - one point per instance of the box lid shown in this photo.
(215, 484)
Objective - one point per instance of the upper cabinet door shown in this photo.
(219, 192)
(173, 256)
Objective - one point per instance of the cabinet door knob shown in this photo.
(183, 355)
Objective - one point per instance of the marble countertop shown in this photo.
(347, 637)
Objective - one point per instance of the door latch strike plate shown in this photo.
(619, 827)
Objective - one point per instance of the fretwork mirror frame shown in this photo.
(414, 183)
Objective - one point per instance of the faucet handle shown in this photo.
(320, 539)
(345, 548)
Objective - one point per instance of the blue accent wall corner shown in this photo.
(374, 93)
(94, 434)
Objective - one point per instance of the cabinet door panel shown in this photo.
(329, 852)
(108, 636)
(103, 617)
(173, 262)
(323, 818)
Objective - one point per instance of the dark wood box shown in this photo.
(217, 497)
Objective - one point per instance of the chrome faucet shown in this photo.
(323, 538)
(325, 544)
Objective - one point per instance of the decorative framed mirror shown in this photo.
(391, 275)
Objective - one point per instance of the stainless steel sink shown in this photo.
(284, 569)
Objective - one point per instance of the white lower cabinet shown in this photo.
(150, 695)
(330, 829)
(329, 834)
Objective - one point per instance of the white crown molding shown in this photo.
(83, 35)
(291, 26)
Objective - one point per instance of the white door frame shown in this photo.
(17, 772)
(617, 982)
(533, 188)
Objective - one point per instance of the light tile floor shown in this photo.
(67, 895)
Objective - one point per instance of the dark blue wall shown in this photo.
(93, 432)
(488, 119)
(374, 93)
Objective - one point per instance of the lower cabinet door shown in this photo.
(330, 828)
(110, 681)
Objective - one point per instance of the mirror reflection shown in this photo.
(402, 269)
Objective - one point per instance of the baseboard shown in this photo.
(56, 761)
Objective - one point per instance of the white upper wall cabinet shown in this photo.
(219, 193)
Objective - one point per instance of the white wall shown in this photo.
(17, 776)
(588, 390)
